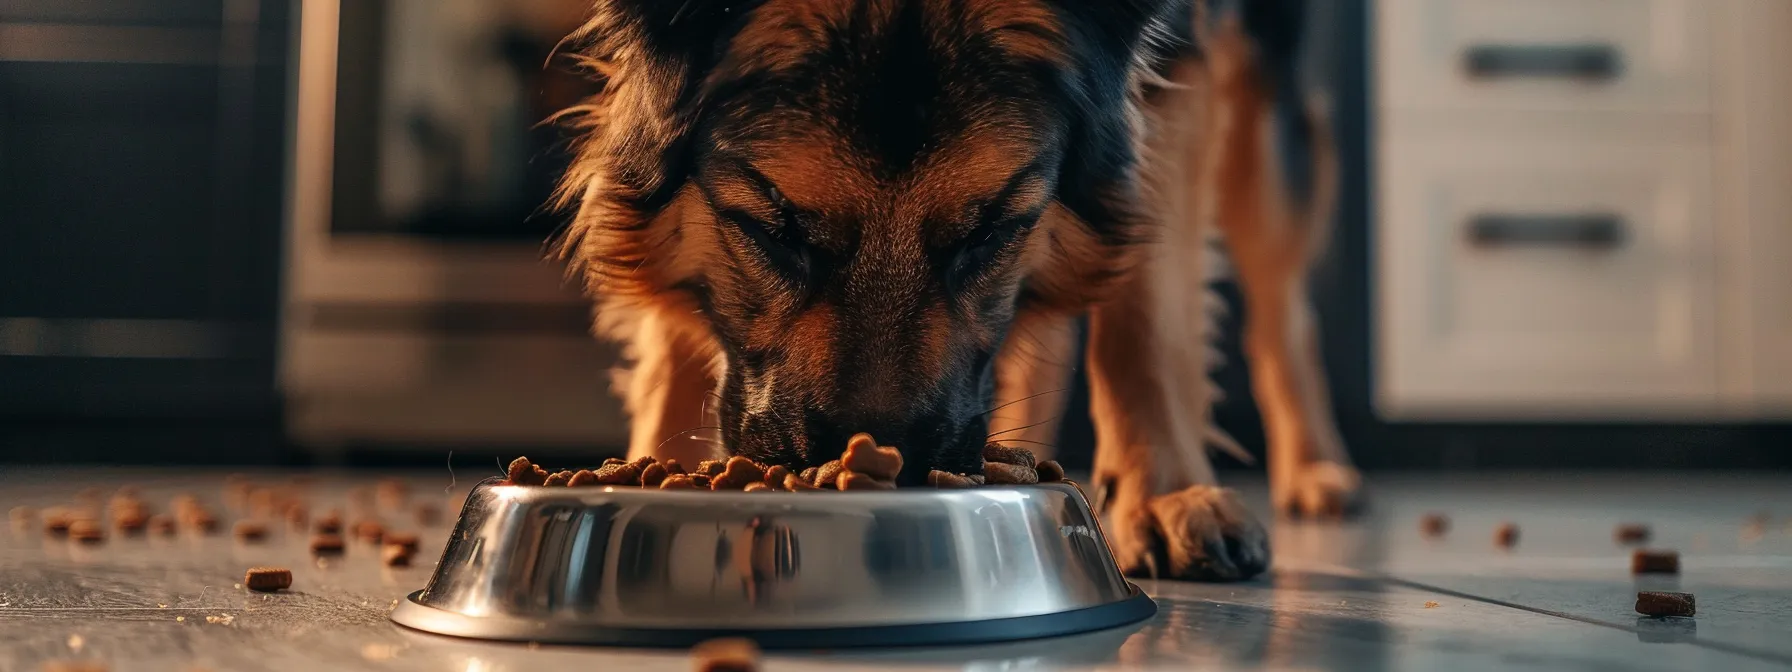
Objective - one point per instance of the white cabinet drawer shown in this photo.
(1605, 55)
(1542, 279)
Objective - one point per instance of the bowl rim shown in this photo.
(1135, 608)
(496, 483)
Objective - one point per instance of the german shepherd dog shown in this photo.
(811, 218)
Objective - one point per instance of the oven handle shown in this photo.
(1595, 62)
(1594, 232)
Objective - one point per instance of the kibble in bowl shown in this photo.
(863, 466)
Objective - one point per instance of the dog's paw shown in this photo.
(1320, 490)
(1202, 533)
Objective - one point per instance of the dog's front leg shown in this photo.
(1275, 225)
(668, 392)
(1165, 515)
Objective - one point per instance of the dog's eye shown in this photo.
(985, 244)
(783, 247)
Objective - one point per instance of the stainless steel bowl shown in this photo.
(634, 567)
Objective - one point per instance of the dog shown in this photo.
(806, 219)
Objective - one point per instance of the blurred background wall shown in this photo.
(308, 231)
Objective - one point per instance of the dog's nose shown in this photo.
(828, 434)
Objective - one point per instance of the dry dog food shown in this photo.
(726, 655)
(996, 452)
(267, 579)
(737, 474)
(193, 515)
(795, 483)
(1631, 534)
(86, 531)
(864, 465)
(1506, 535)
(396, 556)
(131, 521)
(852, 480)
(1654, 562)
(654, 475)
(710, 468)
(524, 472)
(56, 520)
(329, 523)
(326, 544)
(618, 474)
(405, 540)
(1003, 465)
(369, 531)
(202, 521)
(1650, 603)
(251, 531)
(775, 476)
(828, 474)
(998, 473)
(1435, 524)
(864, 456)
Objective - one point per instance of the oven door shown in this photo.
(419, 310)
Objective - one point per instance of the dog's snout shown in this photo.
(928, 441)
(828, 434)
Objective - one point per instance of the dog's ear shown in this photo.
(633, 141)
(653, 56)
(1113, 46)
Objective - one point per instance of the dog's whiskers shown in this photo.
(993, 435)
(1025, 398)
(1036, 443)
(681, 433)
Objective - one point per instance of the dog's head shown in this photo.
(851, 200)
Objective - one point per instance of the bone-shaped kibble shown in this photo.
(864, 456)
(739, 472)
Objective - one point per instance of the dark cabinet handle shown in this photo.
(1592, 232)
(1588, 61)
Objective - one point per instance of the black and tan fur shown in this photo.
(810, 218)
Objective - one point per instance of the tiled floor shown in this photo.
(1341, 597)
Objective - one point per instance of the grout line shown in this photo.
(1770, 656)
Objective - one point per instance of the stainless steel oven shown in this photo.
(419, 310)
